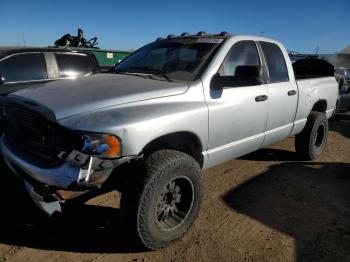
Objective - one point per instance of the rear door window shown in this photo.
(276, 63)
(23, 67)
(73, 64)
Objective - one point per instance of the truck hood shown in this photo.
(74, 96)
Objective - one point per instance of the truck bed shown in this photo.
(320, 88)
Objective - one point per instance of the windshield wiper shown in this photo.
(147, 70)
(144, 75)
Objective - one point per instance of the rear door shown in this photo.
(73, 64)
(21, 71)
(282, 93)
(237, 117)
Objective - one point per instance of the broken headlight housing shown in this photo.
(103, 145)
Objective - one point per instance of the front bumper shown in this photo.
(48, 187)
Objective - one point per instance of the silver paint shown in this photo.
(228, 123)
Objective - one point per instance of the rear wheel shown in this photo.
(311, 142)
(159, 206)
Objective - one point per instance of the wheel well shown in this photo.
(320, 106)
(185, 142)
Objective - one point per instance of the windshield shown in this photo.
(173, 59)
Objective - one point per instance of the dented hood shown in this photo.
(85, 94)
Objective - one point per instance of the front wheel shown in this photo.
(160, 203)
(311, 142)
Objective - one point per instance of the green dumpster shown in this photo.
(105, 58)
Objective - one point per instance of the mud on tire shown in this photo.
(310, 143)
(161, 199)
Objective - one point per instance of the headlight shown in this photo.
(102, 144)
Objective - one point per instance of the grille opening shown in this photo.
(33, 134)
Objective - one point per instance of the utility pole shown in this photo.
(24, 41)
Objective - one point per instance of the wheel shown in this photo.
(159, 206)
(311, 142)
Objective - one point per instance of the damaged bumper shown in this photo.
(48, 187)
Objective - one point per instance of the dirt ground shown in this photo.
(266, 206)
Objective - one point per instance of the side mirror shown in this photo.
(2, 79)
(245, 75)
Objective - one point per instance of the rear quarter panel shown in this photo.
(310, 92)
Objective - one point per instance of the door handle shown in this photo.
(292, 92)
(261, 98)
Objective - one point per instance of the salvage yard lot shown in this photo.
(266, 206)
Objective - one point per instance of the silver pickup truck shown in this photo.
(175, 107)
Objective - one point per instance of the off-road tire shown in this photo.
(310, 143)
(142, 193)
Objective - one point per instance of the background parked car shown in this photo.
(343, 77)
(21, 67)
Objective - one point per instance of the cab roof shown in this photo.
(10, 50)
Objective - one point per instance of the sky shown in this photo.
(302, 26)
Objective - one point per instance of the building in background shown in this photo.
(341, 59)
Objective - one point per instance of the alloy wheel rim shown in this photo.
(174, 203)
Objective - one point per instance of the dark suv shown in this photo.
(22, 67)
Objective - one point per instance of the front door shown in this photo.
(237, 115)
(22, 70)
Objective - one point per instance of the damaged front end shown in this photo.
(55, 163)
